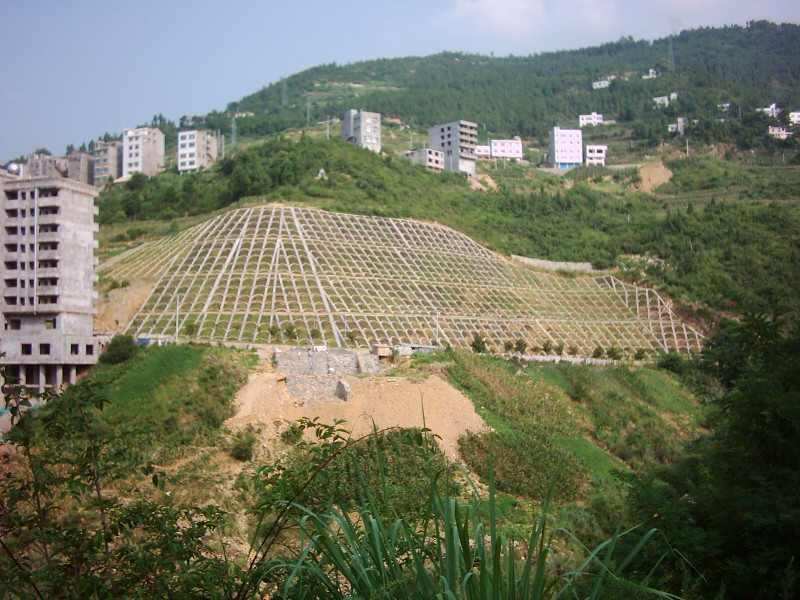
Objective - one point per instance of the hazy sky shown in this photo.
(71, 70)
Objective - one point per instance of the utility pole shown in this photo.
(308, 111)
(328, 128)
(176, 317)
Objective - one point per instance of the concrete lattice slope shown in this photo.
(387, 280)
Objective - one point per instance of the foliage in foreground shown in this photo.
(66, 532)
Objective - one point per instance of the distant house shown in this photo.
(592, 119)
(107, 161)
(566, 148)
(679, 127)
(457, 140)
(142, 151)
(779, 133)
(771, 111)
(726, 106)
(362, 128)
(483, 152)
(663, 101)
(794, 118)
(651, 74)
(197, 149)
(431, 159)
(506, 148)
(599, 85)
(596, 155)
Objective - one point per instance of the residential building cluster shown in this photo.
(141, 150)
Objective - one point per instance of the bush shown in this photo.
(292, 435)
(119, 349)
(614, 353)
(244, 444)
(478, 344)
(520, 346)
(598, 352)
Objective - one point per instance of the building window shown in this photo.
(26, 350)
(50, 323)
(44, 349)
(89, 349)
(74, 349)
(14, 324)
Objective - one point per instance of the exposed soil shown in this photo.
(386, 401)
(117, 308)
(653, 175)
(482, 182)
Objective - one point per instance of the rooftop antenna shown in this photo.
(675, 26)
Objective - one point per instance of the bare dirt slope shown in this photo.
(388, 401)
(117, 308)
(653, 175)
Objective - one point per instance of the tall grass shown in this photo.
(456, 553)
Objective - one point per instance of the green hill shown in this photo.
(749, 67)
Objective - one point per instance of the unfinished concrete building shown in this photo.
(363, 128)
(457, 140)
(47, 280)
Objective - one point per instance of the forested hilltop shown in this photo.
(749, 67)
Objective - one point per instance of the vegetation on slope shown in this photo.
(747, 66)
(733, 255)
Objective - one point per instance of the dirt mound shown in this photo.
(482, 182)
(653, 174)
(386, 401)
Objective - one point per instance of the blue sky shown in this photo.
(74, 69)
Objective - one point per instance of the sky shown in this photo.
(71, 70)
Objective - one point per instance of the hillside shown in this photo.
(279, 273)
(747, 66)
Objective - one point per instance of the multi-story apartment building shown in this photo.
(433, 160)
(506, 148)
(362, 128)
(142, 151)
(107, 161)
(197, 149)
(47, 279)
(566, 148)
(457, 140)
(45, 165)
(592, 119)
(596, 155)
(771, 111)
(80, 167)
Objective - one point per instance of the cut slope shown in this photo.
(245, 275)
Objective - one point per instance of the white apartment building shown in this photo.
(506, 148)
(197, 149)
(592, 119)
(107, 161)
(566, 148)
(596, 155)
(45, 165)
(599, 85)
(362, 128)
(47, 279)
(142, 151)
(431, 159)
(483, 151)
(771, 111)
(457, 140)
(663, 101)
(794, 118)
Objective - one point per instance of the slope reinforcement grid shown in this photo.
(281, 274)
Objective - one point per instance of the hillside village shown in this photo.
(231, 343)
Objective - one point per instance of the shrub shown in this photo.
(119, 349)
(244, 444)
(292, 434)
(508, 346)
(520, 346)
(478, 343)
(547, 346)
(639, 354)
(598, 352)
(614, 353)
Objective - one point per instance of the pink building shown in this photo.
(506, 148)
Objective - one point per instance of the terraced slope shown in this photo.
(368, 279)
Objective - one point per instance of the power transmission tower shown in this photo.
(674, 25)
